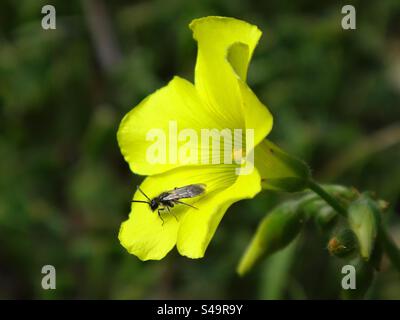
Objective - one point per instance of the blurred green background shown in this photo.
(65, 188)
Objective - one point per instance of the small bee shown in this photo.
(169, 199)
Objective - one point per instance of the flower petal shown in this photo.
(144, 234)
(225, 48)
(257, 116)
(220, 100)
(170, 109)
(198, 226)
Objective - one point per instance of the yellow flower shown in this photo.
(219, 99)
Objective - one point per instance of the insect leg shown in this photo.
(171, 212)
(159, 215)
(186, 204)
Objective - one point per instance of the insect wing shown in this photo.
(190, 191)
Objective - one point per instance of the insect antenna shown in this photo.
(143, 193)
(140, 201)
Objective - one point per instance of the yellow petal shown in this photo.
(257, 116)
(217, 35)
(220, 100)
(144, 234)
(225, 48)
(173, 107)
(198, 226)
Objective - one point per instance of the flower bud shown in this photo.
(343, 243)
(325, 218)
(383, 204)
(363, 217)
(275, 232)
(314, 207)
(364, 276)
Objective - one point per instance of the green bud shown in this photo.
(342, 192)
(311, 204)
(363, 217)
(383, 205)
(314, 207)
(343, 243)
(325, 218)
(279, 170)
(364, 276)
(275, 232)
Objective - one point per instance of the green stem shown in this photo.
(334, 203)
(390, 248)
